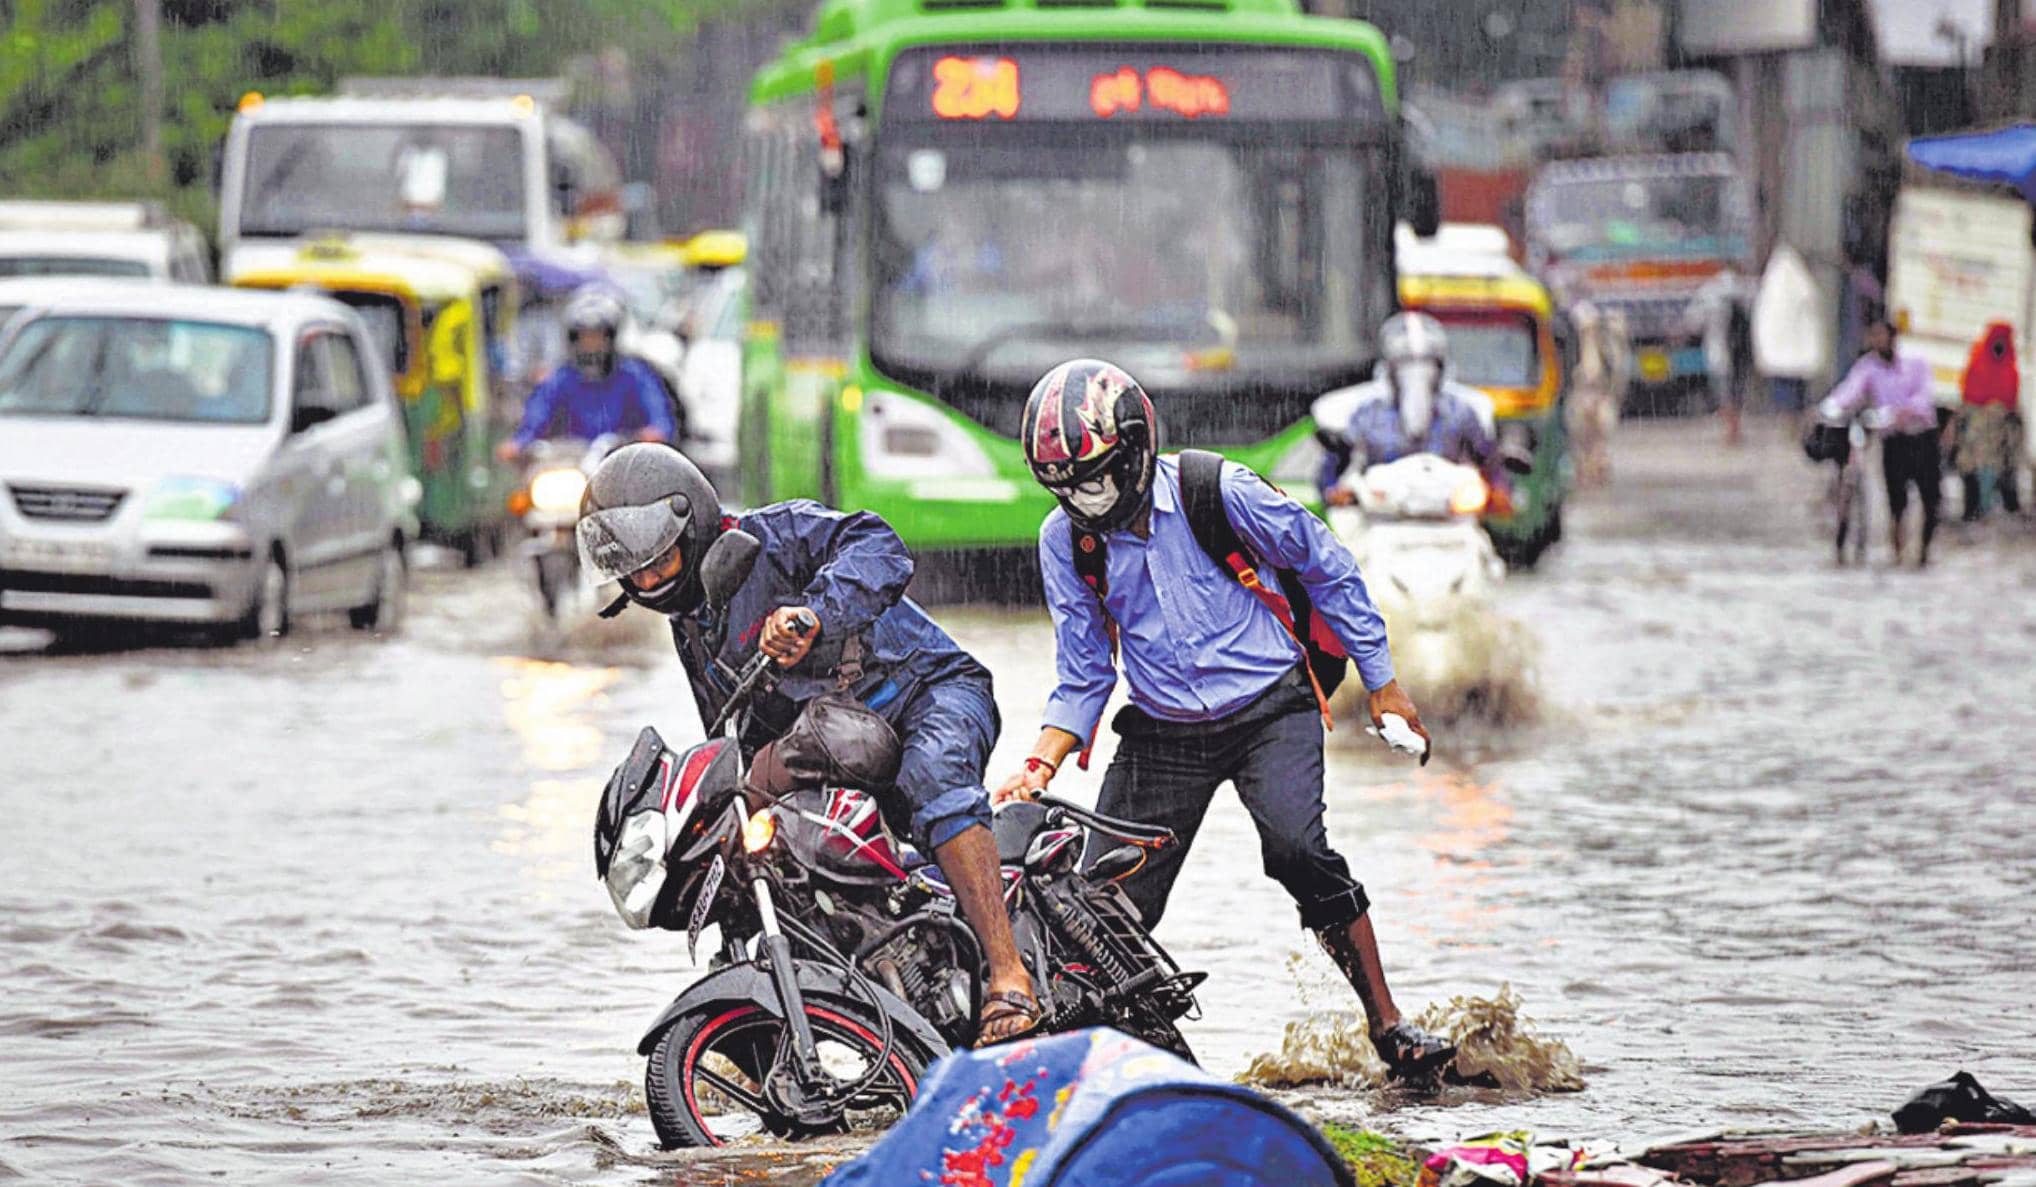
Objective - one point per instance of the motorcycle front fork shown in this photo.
(777, 951)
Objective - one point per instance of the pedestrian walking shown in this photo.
(1986, 434)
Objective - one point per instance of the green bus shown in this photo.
(947, 197)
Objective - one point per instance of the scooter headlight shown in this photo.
(558, 491)
(636, 874)
(1470, 497)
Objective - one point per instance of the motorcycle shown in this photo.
(1429, 565)
(845, 967)
(547, 504)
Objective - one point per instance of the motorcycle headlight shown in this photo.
(636, 873)
(903, 438)
(558, 490)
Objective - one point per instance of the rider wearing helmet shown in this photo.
(1220, 689)
(648, 520)
(1411, 406)
(602, 391)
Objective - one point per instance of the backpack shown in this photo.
(1287, 598)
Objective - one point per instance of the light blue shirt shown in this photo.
(1196, 645)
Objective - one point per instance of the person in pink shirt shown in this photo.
(1898, 387)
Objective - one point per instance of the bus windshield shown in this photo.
(449, 179)
(1171, 254)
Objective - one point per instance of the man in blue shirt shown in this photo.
(1220, 689)
(647, 521)
(1412, 407)
(601, 392)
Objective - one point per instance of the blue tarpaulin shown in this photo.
(2006, 156)
(1094, 1108)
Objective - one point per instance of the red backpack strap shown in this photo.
(1202, 499)
(1091, 554)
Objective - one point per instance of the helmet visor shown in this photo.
(618, 541)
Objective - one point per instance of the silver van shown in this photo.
(178, 454)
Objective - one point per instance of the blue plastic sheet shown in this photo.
(2005, 156)
(1093, 1108)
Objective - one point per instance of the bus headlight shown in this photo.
(904, 438)
(1300, 465)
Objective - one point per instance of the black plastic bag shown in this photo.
(1958, 1099)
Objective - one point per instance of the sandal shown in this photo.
(1412, 1053)
(1002, 1008)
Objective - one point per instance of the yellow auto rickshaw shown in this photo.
(428, 312)
(1503, 341)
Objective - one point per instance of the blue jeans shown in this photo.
(1165, 773)
(947, 729)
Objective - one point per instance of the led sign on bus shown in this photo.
(975, 88)
(1062, 83)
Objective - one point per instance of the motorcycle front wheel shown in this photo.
(705, 1080)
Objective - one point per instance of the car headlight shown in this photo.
(636, 873)
(203, 499)
(558, 490)
(904, 438)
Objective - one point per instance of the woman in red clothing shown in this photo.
(1987, 434)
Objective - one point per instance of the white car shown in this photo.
(135, 239)
(200, 456)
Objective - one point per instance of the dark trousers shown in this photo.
(1166, 773)
(1913, 458)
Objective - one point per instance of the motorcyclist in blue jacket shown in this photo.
(601, 392)
(648, 519)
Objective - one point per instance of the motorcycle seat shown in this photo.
(1014, 826)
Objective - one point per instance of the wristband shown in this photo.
(1034, 762)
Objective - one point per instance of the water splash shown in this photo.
(1496, 1047)
(1463, 662)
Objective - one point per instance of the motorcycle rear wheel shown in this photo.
(703, 1082)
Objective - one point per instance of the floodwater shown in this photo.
(327, 913)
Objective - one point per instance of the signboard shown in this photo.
(1722, 27)
(1145, 83)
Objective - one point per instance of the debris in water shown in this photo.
(1495, 1048)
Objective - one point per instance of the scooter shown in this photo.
(547, 504)
(1429, 565)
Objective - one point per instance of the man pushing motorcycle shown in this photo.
(1231, 608)
(647, 520)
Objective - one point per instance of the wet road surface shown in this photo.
(326, 912)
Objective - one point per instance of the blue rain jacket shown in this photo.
(568, 404)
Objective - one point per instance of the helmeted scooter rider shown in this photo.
(1222, 688)
(647, 521)
(601, 391)
(1411, 406)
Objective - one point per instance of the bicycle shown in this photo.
(1842, 437)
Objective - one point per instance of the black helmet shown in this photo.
(593, 307)
(1091, 438)
(643, 501)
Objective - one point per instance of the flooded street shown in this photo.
(328, 912)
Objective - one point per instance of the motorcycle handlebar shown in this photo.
(1123, 830)
(759, 672)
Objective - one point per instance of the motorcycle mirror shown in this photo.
(727, 564)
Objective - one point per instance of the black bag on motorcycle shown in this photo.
(836, 741)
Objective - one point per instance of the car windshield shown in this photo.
(138, 368)
(70, 266)
(1170, 254)
(1493, 351)
(441, 179)
(1611, 215)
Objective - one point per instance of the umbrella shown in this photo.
(2005, 155)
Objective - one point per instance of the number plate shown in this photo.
(64, 556)
(704, 906)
